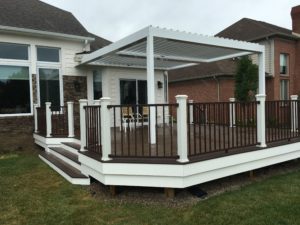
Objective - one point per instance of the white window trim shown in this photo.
(24, 63)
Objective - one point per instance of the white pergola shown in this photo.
(154, 48)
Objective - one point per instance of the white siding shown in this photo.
(269, 52)
(68, 51)
(111, 82)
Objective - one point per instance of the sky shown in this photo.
(115, 19)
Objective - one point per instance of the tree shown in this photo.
(246, 80)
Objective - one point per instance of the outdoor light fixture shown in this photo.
(77, 86)
(159, 84)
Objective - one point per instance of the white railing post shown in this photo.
(82, 104)
(71, 119)
(105, 129)
(191, 108)
(294, 113)
(232, 112)
(35, 106)
(182, 144)
(98, 102)
(48, 119)
(261, 120)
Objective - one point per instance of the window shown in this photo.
(45, 54)
(49, 87)
(13, 51)
(97, 84)
(284, 89)
(283, 64)
(14, 90)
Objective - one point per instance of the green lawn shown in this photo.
(32, 193)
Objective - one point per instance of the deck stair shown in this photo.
(64, 160)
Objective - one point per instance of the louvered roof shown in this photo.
(172, 49)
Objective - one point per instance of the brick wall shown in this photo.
(287, 47)
(203, 90)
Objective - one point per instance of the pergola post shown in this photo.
(151, 86)
(261, 98)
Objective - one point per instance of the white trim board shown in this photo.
(182, 176)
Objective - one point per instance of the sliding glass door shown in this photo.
(133, 92)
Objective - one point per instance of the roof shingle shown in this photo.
(204, 70)
(250, 30)
(37, 15)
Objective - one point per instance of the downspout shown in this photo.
(218, 87)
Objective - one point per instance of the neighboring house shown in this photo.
(206, 82)
(40, 49)
(282, 48)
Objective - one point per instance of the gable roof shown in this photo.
(250, 30)
(98, 43)
(204, 70)
(37, 15)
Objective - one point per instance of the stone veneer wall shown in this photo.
(75, 88)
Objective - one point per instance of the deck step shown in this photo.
(67, 154)
(72, 145)
(70, 173)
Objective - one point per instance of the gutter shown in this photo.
(18, 30)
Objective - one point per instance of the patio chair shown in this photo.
(143, 117)
(127, 118)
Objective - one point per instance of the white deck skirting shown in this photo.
(174, 175)
(182, 176)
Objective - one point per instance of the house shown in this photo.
(282, 55)
(39, 56)
(104, 113)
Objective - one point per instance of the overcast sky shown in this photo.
(114, 19)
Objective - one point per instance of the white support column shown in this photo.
(232, 112)
(48, 119)
(182, 144)
(294, 113)
(105, 129)
(261, 120)
(151, 86)
(191, 108)
(35, 106)
(261, 74)
(71, 119)
(82, 104)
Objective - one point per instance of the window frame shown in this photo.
(61, 94)
(48, 62)
(288, 89)
(98, 70)
(20, 64)
(287, 64)
(49, 65)
(17, 60)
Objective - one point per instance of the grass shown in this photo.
(32, 193)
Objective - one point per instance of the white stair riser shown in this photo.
(66, 160)
(78, 181)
